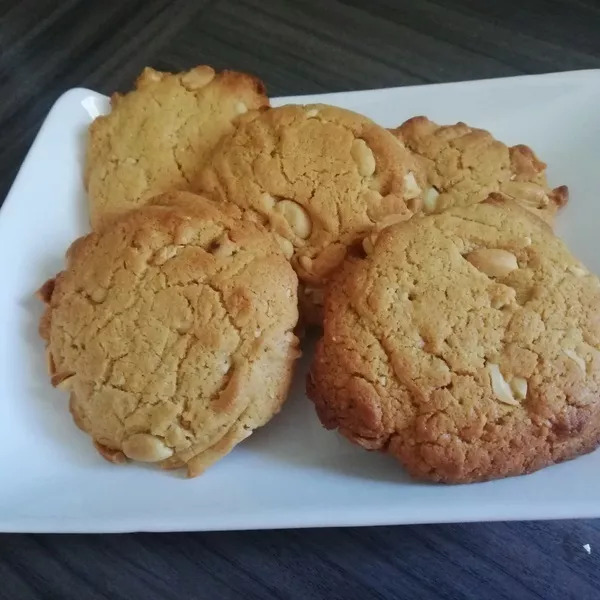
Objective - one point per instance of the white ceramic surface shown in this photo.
(291, 473)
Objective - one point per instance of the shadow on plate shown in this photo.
(296, 437)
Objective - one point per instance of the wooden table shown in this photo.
(298, 46)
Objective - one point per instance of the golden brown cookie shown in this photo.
(172, 331)
(319, 176)
(465, 165)
(466, 344)
(157, 136)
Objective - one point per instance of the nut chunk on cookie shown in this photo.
(464, 165)
(466, 344)
(173, 332)
(319, 176)
(157, 136)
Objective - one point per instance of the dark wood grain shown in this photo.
(497, 560)
(300, 46)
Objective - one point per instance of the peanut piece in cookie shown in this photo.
(494, 262)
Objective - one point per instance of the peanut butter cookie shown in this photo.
(319, 176)
(466, 344)
(157, 136)
(172, 331)
(465, 165)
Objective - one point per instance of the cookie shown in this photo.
(319, 176)
(157, 136)
(172, 331)
(465, 165)
(466, 344)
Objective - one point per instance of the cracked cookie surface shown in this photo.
(157, 136)
(319, 176)
(172, 331)
(464, 165)
(466, 344)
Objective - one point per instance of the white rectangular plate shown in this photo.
(292, 473)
